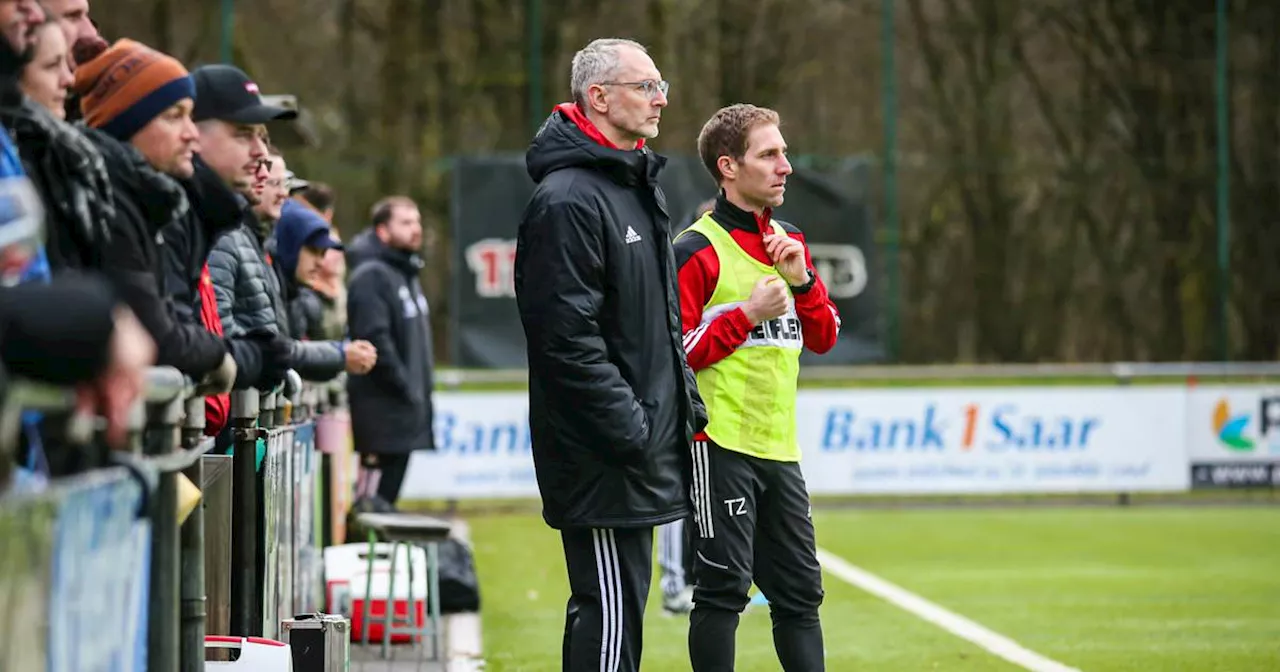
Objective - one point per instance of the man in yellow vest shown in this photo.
(750, 303)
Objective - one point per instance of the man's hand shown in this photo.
(361, 356)
(277, 356)
(768, 300)
(220, 379)
(112, 395)
(787, 254)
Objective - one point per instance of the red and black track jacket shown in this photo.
(699, 270)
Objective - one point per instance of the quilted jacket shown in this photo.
(251, 296)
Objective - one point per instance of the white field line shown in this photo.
(950, 621)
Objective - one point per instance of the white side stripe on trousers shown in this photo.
(610, 577)
(695, 491)
(702, 490)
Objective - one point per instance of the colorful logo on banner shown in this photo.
(1231, 428)
(1247, 432)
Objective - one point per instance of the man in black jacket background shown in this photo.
(612, 405)
(391, 409)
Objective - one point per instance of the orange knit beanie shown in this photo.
(126, 86)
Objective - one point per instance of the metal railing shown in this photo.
(167, 442)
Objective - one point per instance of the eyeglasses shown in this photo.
(650, 87)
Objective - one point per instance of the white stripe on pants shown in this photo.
(700, 492)
(610, 599)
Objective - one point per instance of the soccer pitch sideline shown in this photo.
(1125, 589)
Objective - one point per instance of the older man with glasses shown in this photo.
(612, 403)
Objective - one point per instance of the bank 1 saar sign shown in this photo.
(993, 440)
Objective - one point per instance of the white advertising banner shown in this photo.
(993, 440)
(1233, 435)
(482, 449)
(890, 441)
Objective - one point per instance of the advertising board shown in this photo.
(992, 440)
(906, 441)
(100, 572)
(1233, 436)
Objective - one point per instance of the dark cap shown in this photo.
(225, 93)
(322, 240)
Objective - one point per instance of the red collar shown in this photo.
(579, 118)
(762, 221)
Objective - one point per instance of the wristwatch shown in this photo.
(801, 289)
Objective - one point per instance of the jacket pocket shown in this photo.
(635, 454)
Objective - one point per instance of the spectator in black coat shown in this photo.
(391, 410)
(612, 404)
(71, 331)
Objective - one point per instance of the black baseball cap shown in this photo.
(225, 93)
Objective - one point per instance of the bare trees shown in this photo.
(1057, 157)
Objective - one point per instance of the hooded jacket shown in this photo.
(315, 359)
(365, 246)
(391, 406)
(297, 225)
(612, 404)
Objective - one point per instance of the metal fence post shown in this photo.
(191, 651)
(267, 409)
(266, 422)
(245, 593)
(164, 613)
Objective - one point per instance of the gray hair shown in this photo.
(596, 63)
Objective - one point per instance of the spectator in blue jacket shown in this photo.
(18, 22)
(302, 239)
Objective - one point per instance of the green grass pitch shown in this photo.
(1102, 589)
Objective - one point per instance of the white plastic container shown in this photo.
(256, 654)
(346, 568)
